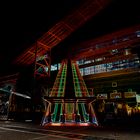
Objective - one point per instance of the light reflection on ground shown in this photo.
(70, 124)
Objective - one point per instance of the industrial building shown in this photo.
(81, 70)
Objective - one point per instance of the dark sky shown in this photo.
(22, 22)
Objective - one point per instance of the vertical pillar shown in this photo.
(42, 61)
(49, 62)
(63, 107)
(35, 60)
(75, 107)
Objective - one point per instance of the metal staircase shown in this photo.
(81, 91)
(68, 108)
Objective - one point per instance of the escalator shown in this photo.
(92, 116)
(84, 116)
(58, 90)
(68, 92)
(80, 91)
(56, 116)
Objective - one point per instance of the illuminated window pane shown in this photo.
(92, 70)
(97, 69)
(87, 71)
(54, 67)
(87, 62)
(80, 62)
(59, 65)
(138, 33)
(109, 66)
(82, 72)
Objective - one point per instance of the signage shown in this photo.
(114, 84)
(138, 98)
(129, 94)
(101, 96)
(115, 95)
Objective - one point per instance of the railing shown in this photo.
(80, 89)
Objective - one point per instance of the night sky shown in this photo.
(22, 22)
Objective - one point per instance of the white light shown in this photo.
(22, 95)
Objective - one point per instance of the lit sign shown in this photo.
(102, 96)
(115, 95)
(129, 94)
(138, 98)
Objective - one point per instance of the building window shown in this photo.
(82, 71)
(87, 71)
(54, 67)
(138, 33)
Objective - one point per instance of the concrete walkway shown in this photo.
(27, 131)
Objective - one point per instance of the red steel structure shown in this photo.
(9, 79)
(59, 32)
(103, 46)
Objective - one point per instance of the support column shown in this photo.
(42, 66)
